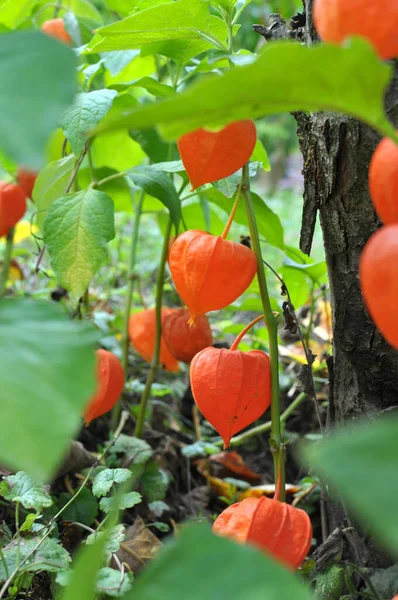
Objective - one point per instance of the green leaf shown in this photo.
(22, 488)
(329, 585)
(268, 222)
(117, 151)
(154, 482)
(315, 271)
(120, 501)
(228, 185)
(47, 70)
(260, 155)
(232, 571)
(115, 537)
(87, 111)
(83, 510)
(160, 186)
(104, 481)
(82, 582)
(57, 359)
(51, 184)
(360, 462)
(76, 231)
(50, 556)
(137, 450)
(149, 84)
(28, 523)
(114, 583)
(15, 12)
(286, 77)
(180, 20)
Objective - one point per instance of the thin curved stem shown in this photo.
(276, 442)
(231, 216)
(244, 331)
(139, 428)
(5, 269)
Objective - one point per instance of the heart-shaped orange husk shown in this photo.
(12, 206)
(142, 333)
(110, 383)
(378, 272)
(210, 272)
(232, 389)
(281, 530)
(383, 181)
(182, 340)
(208, 156)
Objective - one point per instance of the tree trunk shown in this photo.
(337, 151)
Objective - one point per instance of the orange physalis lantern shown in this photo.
(110, 378)
(378, 273)
(232, 389)
(56, 28)
(26, 181)
(281, 530)
(383, 181)
(211, 155)
(12, 206)
(336, 20)
(182, 340)
(209, 271)
(142, 332)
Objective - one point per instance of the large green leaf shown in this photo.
(39, 81)
(22, 488)
(76, 231)
(14, 12)
(87, 111)
(160, 186)
(180, 20)
(51, 184)
(286, 77)
(47, 374)
(361, 465)
(219, 567)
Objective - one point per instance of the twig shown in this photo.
(308, 355)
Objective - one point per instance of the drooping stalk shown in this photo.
(244, 331)
(231, 216)
(271, 324)
(6, 262)
(129, 295)
(139, 428)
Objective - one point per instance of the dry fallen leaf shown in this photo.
(139, 547)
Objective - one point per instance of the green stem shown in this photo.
(271, 324)
(129, 295)
(18, 534)
(139, 428)
(238, 440)
(6, 263)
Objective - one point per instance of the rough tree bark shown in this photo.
(337, 151)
